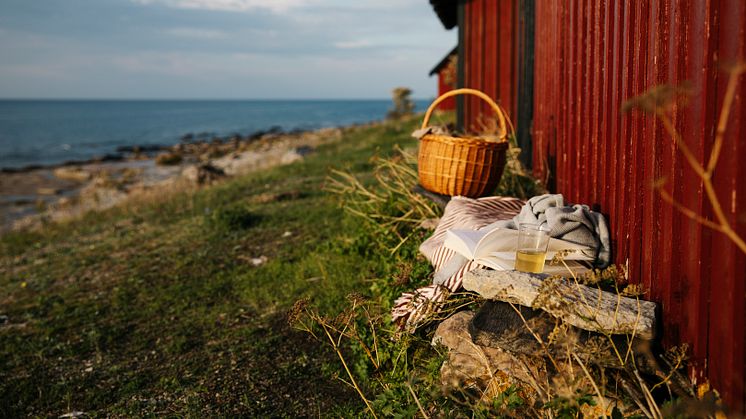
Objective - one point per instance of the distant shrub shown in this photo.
(403, 105)
(232, 217)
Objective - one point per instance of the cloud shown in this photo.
(261, 49)
(196, 33)
(357, 44)
(275, 6)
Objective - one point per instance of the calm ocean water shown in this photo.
(53, 131)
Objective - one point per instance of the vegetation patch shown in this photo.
(154, 308)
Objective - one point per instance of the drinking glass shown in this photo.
(531, 251)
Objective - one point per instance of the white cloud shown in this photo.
(196, 33)
(276, 6)
(360, 43)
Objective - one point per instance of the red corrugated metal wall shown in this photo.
(592, 56)
(443, 87)
(490, 58)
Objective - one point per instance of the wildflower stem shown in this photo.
(593, 383)
(417, 400)
(347, 369)
(730, 94)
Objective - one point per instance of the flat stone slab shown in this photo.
(584, 307)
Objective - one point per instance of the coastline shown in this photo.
(35, 195)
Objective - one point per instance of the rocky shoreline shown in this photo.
(139, 151)
(34, 195)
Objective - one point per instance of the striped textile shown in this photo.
(412, 309)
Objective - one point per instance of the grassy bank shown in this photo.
(158, 307)
(269, 295)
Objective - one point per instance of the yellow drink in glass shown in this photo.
(531, 249)
(530, 260)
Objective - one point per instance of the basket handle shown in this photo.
(495, 107)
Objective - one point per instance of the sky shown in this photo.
(218, 49)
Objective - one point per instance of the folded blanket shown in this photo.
(573, 223)
(411, 309)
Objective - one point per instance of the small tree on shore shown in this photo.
(403, 104)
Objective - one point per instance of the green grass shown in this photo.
(154, 308)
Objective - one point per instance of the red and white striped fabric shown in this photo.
(461, 213)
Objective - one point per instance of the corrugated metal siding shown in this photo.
(592, 56)
(443, 87)
(490, 57)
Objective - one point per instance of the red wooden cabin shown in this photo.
(563, 69)
(446, 70)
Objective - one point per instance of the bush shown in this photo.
(232, 217)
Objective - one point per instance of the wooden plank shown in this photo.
(624, 192)
(491, 68)
(612, 134)
(638, 158)
(592, 309)
(596, 108)
(726, 311)
(693, 267)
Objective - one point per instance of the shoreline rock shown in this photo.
(109, 180)
(128, 152)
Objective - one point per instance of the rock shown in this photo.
(235, 141)
(100, 197)
(295, 154)
(72, 173)
(202, 173)
(142, 148)
(261, 260)
(168, 159)
(485, 369)
(47, 191)
(74, 414)
(107, 158)
(579, 305)
(497, 325)
(304, 150)
(64, 202)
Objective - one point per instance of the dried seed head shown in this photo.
(356, 298)
(295, 313)
(634, 290)
(659, 98)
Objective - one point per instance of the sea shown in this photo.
(49, 132)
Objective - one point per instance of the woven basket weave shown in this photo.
(469, 167)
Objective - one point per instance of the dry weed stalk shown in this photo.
(392, 193)
(335, 330)
(659, 100)
(417, 400)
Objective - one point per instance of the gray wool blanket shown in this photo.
(573, 223)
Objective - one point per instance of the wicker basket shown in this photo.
(469, 167)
